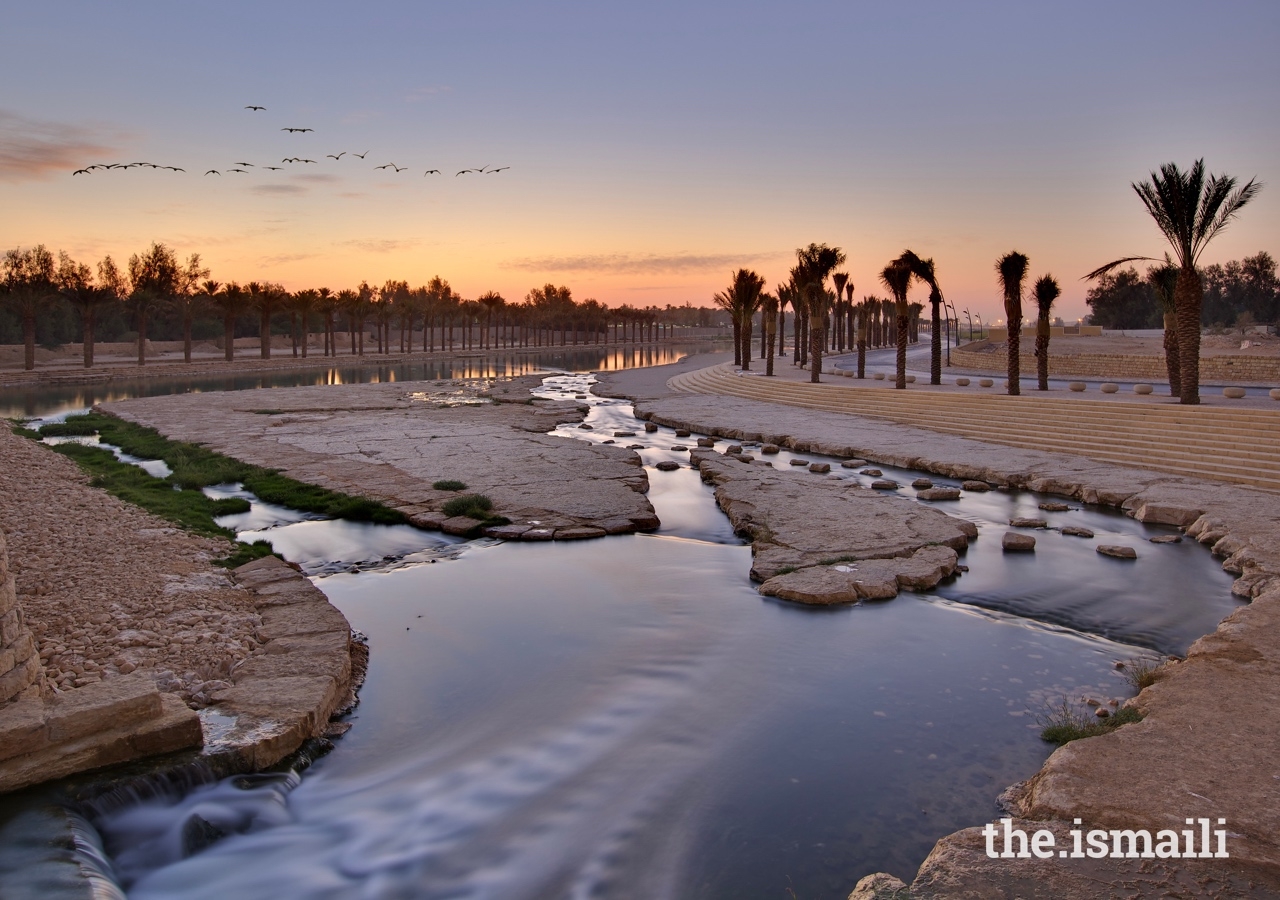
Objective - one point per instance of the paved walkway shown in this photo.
(1225, 440)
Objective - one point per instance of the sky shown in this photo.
(653, 148)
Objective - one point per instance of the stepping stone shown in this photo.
(939, 493)
(1027, 522)
(706, 442)
(682, 432)
(678, 448)
(921, 483)
(744, 457)
(667, 465)
(1077, 531)
(819, 468)
(799, 462)
(976, 487)
(609, 442)
(635, 446)
(1014, 542)
(874, 473)
(1054, 506)
(650, 427)
(733, 449)
(1167, 539)
(1117, 551)
(853, 463)
(624, 434)
(585, 427)
(769, 449)
(884, 485)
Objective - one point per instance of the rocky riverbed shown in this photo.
(393, 442)
(108, 589)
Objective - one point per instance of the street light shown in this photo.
(969, 319)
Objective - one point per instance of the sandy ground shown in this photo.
(1146, 344)
(108, 588)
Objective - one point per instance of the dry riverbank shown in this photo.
(1206, 745)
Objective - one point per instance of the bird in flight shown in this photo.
(493, 171)
(97, 166)
(339, 156)
(360, 155)
(250, 165)
(391, 166)
(213, 172)
(255, 108)
(292, 130)
(464, 172)
(241, 171)
(80, 172)
(292, 159)
(174, 169)
(431, 172)
(272, 168)
(306, 160)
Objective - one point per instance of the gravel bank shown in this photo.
(109, 589)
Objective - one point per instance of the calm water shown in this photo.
(627, 717)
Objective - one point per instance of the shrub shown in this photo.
(1065, 722)
(476, 506)
(449, 485)
(1141, 671)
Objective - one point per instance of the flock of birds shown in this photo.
(243, 167)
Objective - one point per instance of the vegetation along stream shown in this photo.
(627, 717)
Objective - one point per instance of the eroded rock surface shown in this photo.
(390, 442)
(795, 522)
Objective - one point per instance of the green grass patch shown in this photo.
(1141, 671)
(1065, 723)
(449, 485)
(23, 431)
(477, 506)
(196, 467)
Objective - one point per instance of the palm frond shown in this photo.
(1227, 211)
(1111, 266)
(1046, 291)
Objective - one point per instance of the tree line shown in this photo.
(1239, 294)
(50, 300)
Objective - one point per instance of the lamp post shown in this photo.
(969, 319)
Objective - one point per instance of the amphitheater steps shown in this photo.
(1221, 444)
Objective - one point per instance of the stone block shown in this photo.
(114, 703)
(294, 619)
(22, 728)
(176, 728)
(8, 594)
(10, 627)
(19, 678)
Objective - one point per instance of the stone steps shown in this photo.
(1222, 444)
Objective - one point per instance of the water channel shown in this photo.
(627, 717)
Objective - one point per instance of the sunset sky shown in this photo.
(653, 147)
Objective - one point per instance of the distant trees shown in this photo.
(28, 282)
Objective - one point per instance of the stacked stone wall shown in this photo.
(1261, 369)
(19, 663)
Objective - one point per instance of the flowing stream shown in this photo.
(627, 717)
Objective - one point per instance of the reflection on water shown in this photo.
(45, 400)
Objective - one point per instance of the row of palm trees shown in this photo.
(434, 314)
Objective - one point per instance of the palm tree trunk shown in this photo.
(746, 343)
(901, 334)
(28, 339)
(737, 341)
(1042, 352)
(817, 340)
(90, 317)
(1171, 362)
(782, 332)
(769, 336)
(935, 343)
(186, 334)
(1014, 363)
(229, 336)
(142, 337)
(1188, 296)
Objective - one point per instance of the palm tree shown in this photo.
(492, 302)
(897, 278)
(233, 300)
(769, 325)
(1012, 269)
(1190, 209)
(155, 279)
(29, 281)
(187, 297)
(1164, 281)
(1046, 291)
(304, 302)
(839, 280)
(741, 299)
(328, 305)
(864, 323)
(75, 282)
(813, 265)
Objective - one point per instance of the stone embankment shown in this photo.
(1208, 737)
(136, 629)
(392, 442)
(820, 540)
(984, 356)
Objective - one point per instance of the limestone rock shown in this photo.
(667, 465)
(1077, 531)
(1028, 522)
(799, 462)
(1055, 506)
(867, 579)
(975, 487)
(706, 442)
(820, 468)
(884, 485)
(1118, 551)
(1017, 542)
(682, 432)
(939, 493)
(650, 427)
(922, 484)
(874, 473)
(1167, 539)
(769, 449)
(852, 463)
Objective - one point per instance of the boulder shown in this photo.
(852, 463)
(1027, 522)
(864, 579)
(1016, 542)
(667, 465)
(884, 484)
(939, 493)
(1118, 551)
(624, 434)
(820, 468)
(679, 448)
(922, 483)
(769, 449)
(733, 448)
(799, 462)
(585, 427)
(976, 487)
(706, 442)
(650, 427)
(682, 432)
(1077, 531)
(1167, 539)
(1054, 506)
(874, 473)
